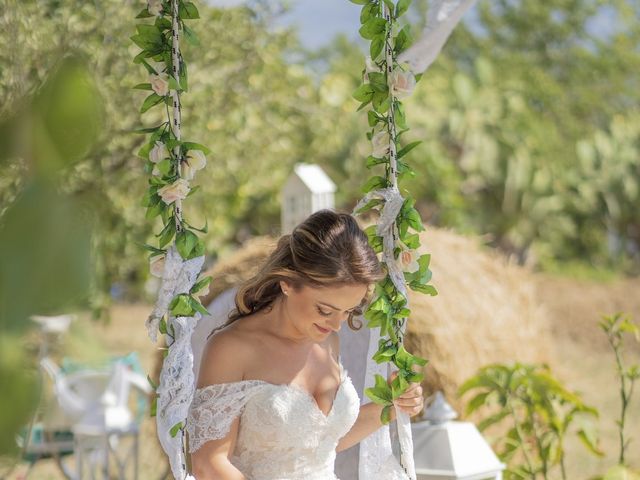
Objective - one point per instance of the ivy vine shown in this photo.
(170, 161)
(385, 83)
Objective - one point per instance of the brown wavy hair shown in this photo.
(326, 249)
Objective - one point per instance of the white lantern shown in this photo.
(444, 449)
(307, 190)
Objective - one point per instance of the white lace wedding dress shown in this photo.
(283, 434)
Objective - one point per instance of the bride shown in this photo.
(273, 401)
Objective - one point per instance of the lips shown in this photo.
(323, 330)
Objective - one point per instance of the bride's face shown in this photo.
(316, 312)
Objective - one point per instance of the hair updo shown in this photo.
(326, 249)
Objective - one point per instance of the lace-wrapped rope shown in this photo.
(177, 382)
(442, 17)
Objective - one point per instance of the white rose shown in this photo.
(195, 160)
(402, 83)
(154, 7)
(159, 83)
(159, 152)
(408, 259)
(380, 144)
(177, 190)
(156, 265)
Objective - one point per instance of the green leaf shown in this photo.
(428, 289)
(377, 44)
(492, 419)
(363, 93)
(380, 101)
(198, 307)
(385, 416)
(402, 7)
(373, 161)
(200, 284)
(162, 327)
(173, 85)
(378, 81)
(399, 116)
(153, 407)
(360, 2)
(391, 6)
(381, 396)
(407, 148)
(181, 306)
(374, 183)
(167, 233)
(154, 210)
(477, 401)
(186, 240)
(150, 101)
(413, 218)
(183, 77)
(143, 86)
(144, 13)
(175, 429)
(367, 12)
(150, 197)
(165, 166)
(191, 36)
(149, 32)
(398, 386)
(162, 23)
(196, 146)
(188, 11)
(373, 27)
(403, 40)
(376, 202)
(373, 118)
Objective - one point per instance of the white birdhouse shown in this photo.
(448, 450)
(307, 190)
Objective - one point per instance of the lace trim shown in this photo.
(215, 407)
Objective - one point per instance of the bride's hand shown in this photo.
(411, 402)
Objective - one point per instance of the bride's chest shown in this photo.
(279, 414)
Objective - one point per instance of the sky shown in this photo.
(318, 21)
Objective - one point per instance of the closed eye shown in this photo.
(323, 313)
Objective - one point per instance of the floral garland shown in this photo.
(396, 236)
(172, 164)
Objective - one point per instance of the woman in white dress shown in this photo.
(273, 401)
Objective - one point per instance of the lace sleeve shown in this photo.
(214, 408)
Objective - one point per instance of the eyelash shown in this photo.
(328, 314)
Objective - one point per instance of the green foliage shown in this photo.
(616, 327)
(540, 411)
(389, 309)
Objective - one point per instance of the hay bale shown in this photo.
(485, 312)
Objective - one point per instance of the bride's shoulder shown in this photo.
(226, 356)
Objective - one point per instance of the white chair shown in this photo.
(94, 405)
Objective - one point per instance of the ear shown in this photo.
(285, 286)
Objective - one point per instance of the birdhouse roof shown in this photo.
(314, 178)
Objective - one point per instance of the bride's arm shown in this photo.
(220, 364)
